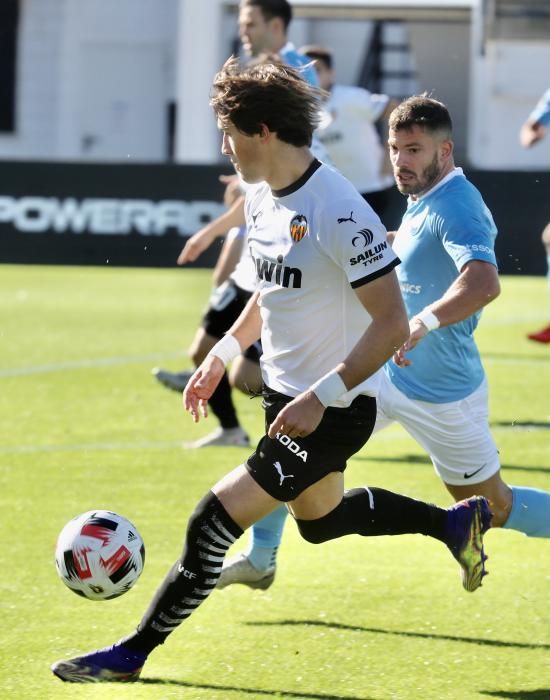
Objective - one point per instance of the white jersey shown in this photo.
(244, 274)
(312, 244)
(348, 133)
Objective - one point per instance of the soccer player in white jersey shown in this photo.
(263, 27)
(534, 130)
(348, 130)
(330, 313)
(438, 390)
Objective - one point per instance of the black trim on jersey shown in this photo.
(300, 182)
(379, 273)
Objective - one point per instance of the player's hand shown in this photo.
(194, 246)
(298, 418)
(201, 386)
(417, 331)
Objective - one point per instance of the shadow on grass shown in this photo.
(522, 424)
(416, 635)
(243, 692)
(539, 694)
(423, 459)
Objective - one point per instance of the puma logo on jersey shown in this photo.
(350, 218)
(282, 476)
(291, 445)
(278, 273)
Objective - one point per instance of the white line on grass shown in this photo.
(87, 363)
(388, 434)
(137, 359)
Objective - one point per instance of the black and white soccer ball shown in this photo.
(99, 555)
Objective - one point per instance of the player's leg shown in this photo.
(217, 522)
(226, 303)
(278, 466)
(256, 566)
(465, 456)
(244, 373)
(221, 402)
(543, 336)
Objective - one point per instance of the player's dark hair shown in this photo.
(271, 9)
(268, 93)
(318, 53)
(422, 111)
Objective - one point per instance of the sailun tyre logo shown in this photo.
(364, 238)
(298, 228)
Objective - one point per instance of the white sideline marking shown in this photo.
(92, 446)
(387, 434)
(136, 359)
(81, 364)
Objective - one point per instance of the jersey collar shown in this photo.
(300, 182)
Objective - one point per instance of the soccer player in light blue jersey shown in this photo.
(435, 385)
(533, 131)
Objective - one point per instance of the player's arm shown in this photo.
(227, 260)
(244, 332)
(475, 287)
(200, 241)
(388, 329)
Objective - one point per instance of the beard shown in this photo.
(424, 181)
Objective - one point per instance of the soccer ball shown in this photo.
(99, 555)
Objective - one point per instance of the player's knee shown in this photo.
(314, 531)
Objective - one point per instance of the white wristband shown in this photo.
(429, 319)
(226, 349)
(329, 388)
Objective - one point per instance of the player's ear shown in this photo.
(446, 149)
(265, 134)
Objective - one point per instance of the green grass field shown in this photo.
(83, 425)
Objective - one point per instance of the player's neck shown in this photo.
(287, 166)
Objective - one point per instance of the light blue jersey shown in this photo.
(295, 59)
(439, 234)
(541, 113)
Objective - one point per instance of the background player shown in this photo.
(349, 132)
(533, 131)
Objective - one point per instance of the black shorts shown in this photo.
(225, 306)
(284, 467)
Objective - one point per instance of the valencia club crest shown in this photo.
(298, 227)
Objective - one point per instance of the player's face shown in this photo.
(254, 31)
(419, 159)
(244, 152)
(325, 75)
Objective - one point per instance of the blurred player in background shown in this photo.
(533, 131)
(349, 132)
(320, 377)
(438, 390)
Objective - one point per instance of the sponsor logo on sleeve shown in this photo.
(363, 238)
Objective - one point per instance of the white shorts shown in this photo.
(456, 435)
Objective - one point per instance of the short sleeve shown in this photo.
(353, 236)
(467, 231)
